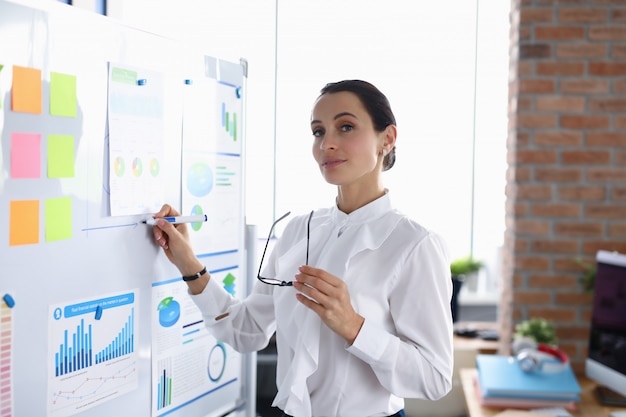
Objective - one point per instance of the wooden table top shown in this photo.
(587, 407)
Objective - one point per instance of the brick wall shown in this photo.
(566, 181)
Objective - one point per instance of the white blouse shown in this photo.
(398, 275)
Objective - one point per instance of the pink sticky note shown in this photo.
(25, 155)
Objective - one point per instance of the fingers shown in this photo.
(164, 231)
(165, 211)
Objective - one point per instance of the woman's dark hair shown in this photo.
(375, 103)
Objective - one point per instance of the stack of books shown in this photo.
(501, 383)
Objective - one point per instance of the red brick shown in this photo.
(586, 157)
(534, 192)
(524, 68)
(560, 33)
(532, 263)
(536, 157)
(558, 138)
(580, 229)
(553, 314)
(607, 33)
(534, 15)
(552, 280)
(571, 264)
(619, 86)
(558, 175)
(554, 246)
(618, 15)
(560, 68)
(584, 86)
(524, 103)
(607, 69)
(617, 230)
(613, 105)
(584, 122)
(594, 211)
(573, 298)
(580, 50)
(531, 297)
(538, 120)
(536, 86)
(606, 174)
(555, 210)
(610, 139)
(560, 103)
(592, 247)
(582, 15)
(532, 228)
(618, 51)
(581, 193)
(534, 51)
(522, 174)
(620, 122)
(618, 193)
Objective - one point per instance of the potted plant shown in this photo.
(588, 279)
(463, 269)
(538, 329)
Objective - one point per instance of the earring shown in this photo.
(384, 152)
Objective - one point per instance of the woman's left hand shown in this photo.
(328, 296)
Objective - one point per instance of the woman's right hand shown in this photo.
(174, 239)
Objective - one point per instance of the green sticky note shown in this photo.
(60, 156)
(58, 218)
(62, 94)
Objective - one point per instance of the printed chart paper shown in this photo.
(212, 165)
(187, 362)
(135, 140)
(92, 352)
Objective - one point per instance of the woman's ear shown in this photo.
(389, 137)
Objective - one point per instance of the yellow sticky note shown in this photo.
(58, 218)
(23, 222)
(60, 156)
(62, 94)
(26, 91)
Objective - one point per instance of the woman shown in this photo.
(361, 296)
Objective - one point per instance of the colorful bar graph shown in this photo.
(77, 356)
(123, 344)
(164, 387)
(76, 351)
(229, 123)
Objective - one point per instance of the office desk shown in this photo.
(587, 407)
(476, 343)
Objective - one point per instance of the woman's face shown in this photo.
(345, 144)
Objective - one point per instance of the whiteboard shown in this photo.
(100, 322)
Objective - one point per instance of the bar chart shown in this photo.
(92, 345)
(164, 384)
(76, 351)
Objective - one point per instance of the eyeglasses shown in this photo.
(274, 281)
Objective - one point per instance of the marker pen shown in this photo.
(177, 219)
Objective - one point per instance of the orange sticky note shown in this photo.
(26, 91)
(23, 222)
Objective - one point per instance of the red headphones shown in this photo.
(537, 357)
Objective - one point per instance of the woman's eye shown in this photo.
(346, 127)
(318, 132)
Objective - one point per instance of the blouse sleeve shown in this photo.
(416, 361)
(245, 325)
